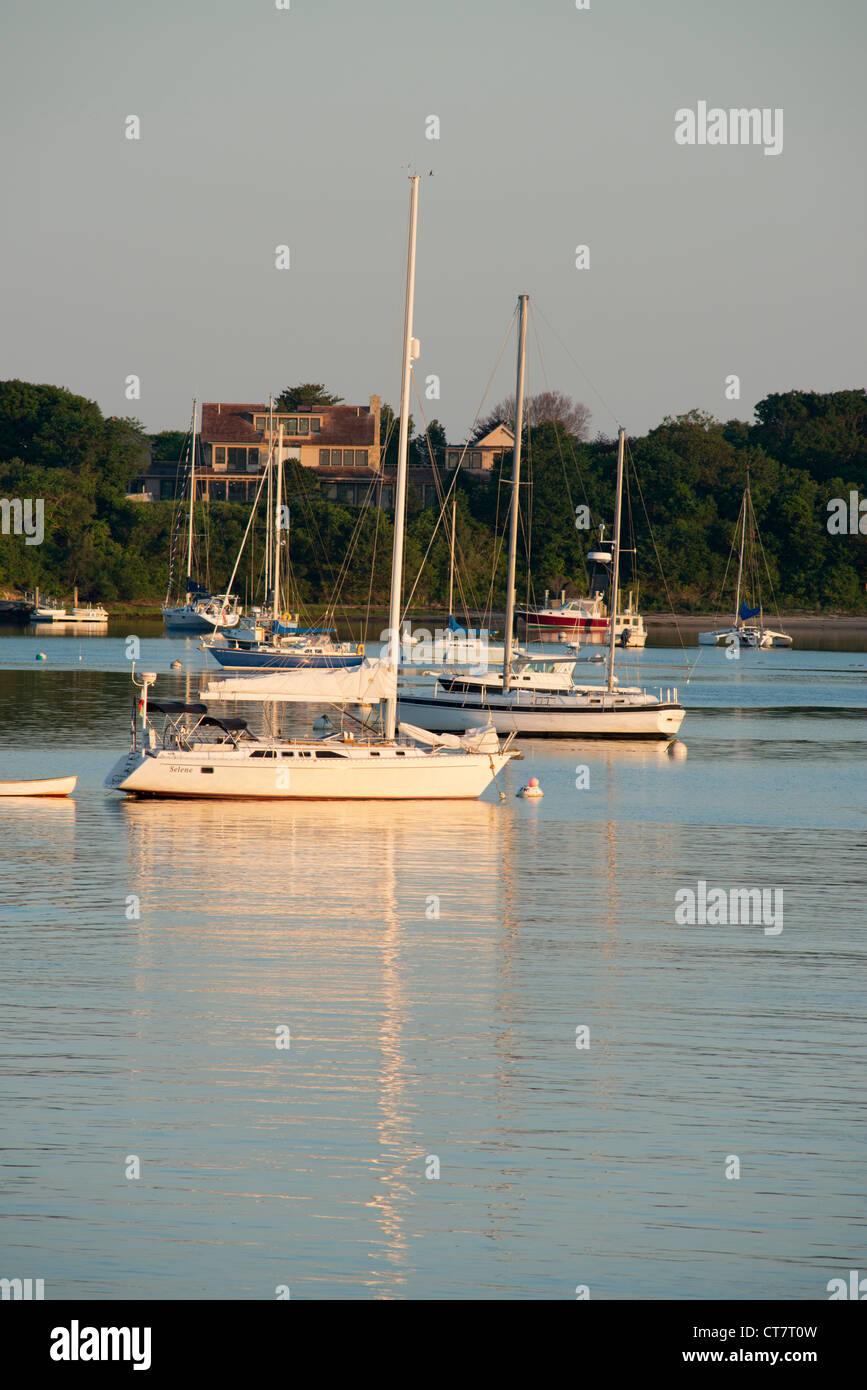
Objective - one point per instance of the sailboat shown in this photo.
(199, 755)
(528, 697)
(743, 632)
(276, 642)
(202, 611)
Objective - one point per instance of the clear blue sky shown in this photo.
(261, 126)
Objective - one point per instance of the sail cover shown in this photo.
(367, 684)
(747, 612)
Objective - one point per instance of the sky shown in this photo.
(263, 127)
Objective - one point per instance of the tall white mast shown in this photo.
(269, 515)
(615, 569)
(452, 548)
(410, 352)
(523, 301)
(192, 495)
(278, 498)
(741, 556)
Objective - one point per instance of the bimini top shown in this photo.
(175, 707)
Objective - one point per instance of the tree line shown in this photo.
(685, 480)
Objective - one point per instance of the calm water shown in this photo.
(417, 1037)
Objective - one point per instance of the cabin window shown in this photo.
(264, 753)
(206, 769)
(328, 755)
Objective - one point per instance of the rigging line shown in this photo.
(577, 364)
(443, 499)
(557, 436)
(460, 462)
(656, 551)
(768, 572)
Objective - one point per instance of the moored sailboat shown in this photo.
(200, 611)
(530, 700)
(220, 758)
(743, 632)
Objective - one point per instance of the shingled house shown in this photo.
(340, 444)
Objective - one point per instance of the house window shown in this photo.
(219, 458)
(346, 492)
(303, 426)
(324, 456)
(315, 424)
(454, 458)
(430, 495)
(237, 459)
(387, 498)
(252, 460)
(361, 458)
(290, 426)
(330, 491)
(336, 458)
(476, 458)
(260, 422)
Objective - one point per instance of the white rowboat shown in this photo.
(50, 786)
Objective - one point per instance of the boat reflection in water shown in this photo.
(335, 922)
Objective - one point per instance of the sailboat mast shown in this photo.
(615, 569)
(410, 352)
(269, 515)
(278, 498)
(192, 492)
(741, 556)
(523, 301)
(452, 549)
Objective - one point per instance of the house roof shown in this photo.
(232, 423)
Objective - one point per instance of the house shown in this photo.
(340, 444)
(480, 457)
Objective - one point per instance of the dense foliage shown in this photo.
(686, 479)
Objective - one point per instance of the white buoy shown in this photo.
(676, 749)
(532, 788)
(177, 666)
(40, 656)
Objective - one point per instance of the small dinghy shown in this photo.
(52, 786)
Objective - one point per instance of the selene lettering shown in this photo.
(76, 1343)
(737, 126)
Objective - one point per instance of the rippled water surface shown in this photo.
(432, 964)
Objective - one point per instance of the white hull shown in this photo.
(754, 637)
(191, 619)
(542, 716)
(310, 772)
(55, 786)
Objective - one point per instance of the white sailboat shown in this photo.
(530, 700)
(202, 612)
(743, 632)
(219, 758)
